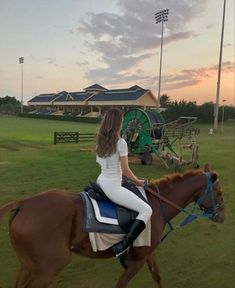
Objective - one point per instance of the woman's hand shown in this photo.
(126, 171)
(140, 182)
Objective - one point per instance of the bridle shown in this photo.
(212, 212)
(209, 213)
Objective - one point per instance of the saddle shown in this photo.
(104, 216)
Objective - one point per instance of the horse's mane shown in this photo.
(172, 178)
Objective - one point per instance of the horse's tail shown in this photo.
(8, 208)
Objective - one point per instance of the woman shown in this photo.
(112, 155)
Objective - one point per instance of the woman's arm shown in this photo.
(126, 171)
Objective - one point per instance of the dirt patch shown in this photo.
(16, 146)
(11, 147)
(87, 149)
(29, 145)
(4, 163)
(133, 159)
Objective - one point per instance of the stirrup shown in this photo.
(122, 252)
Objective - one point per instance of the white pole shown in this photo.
(160, 70)
(222, 120)
(161, 16)
(216, 111)
(22, 88)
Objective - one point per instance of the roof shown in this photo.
(134, 87)
(95, 87)
(73, 96)
(81, 96)
(101, 94)
(43, 98)
(120, 94)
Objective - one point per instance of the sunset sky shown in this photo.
(71, 44)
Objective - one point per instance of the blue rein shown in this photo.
(191, 215)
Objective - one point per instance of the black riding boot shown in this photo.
(121, 247)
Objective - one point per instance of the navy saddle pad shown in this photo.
(111, 218)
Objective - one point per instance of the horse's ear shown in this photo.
(214, 177)
(206, 167)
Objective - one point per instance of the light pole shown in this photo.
(161, 17)
(21, 61)
(216, 110)
(222, 120)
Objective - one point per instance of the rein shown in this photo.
(158, 195)
(191, 216)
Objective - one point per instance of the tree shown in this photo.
(9, 105)
(164, 101)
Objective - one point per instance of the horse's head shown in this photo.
(211, 200)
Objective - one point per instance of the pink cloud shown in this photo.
(191, 77)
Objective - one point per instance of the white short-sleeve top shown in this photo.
(111, 165)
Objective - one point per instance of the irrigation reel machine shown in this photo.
(147, 134)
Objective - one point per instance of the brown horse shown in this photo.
(46, 229)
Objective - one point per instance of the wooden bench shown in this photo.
(68, 137)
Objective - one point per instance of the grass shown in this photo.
(199, 255)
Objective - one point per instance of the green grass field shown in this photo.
(199, 255)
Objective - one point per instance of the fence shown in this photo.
(68, 137)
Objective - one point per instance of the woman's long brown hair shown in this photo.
(108, 134)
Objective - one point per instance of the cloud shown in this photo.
(210, 26)
(52, 61)
(191, 77)
(116, 66)
(228, 45)
(123, 40)
(82, 63)
(178, 80)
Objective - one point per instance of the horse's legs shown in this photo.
(41, 259)
(153, 268)
(23, 277)
(133, 267)
(41, 266)
(28, 278)
(39, 280)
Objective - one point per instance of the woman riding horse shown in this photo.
(112, 155)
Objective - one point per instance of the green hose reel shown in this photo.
(146, 133)
(139, 130)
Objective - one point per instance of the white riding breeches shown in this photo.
(124, 197)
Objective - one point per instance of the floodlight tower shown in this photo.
(161, 17)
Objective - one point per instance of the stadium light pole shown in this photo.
(161, 17)
(222, 120)
(21, 61)
(216, 110)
